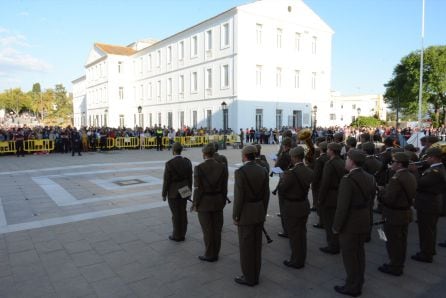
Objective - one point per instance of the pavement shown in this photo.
(95, 226)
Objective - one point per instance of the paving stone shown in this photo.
(87, 258)
(75, 286)
(111, 288)
(77, 246)
(24, 258)
(48, 246)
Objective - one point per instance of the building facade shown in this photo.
(263, 64)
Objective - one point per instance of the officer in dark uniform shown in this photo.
(218, 157)
(317, 177)
(210, 195)
(293, 188)
(177, 174)
(159, 138)
(249, 212)
(352, 220)
(260, 158)
(75, 142)
(397, 201)
(19, 137)
(334, 170)
(428, 201)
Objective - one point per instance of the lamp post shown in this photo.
(83, 119)
(314, 117)
(357, 118)
(139, 115)
(224, 108)
(105, 117)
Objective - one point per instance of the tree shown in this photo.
(366, 121)
(402, 90)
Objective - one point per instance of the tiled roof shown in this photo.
(115, 50)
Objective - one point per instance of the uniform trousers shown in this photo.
(282, 215)
(315, 193)
(19, 148)
(211, 225)
(327, 214)
(179, 217)
(297, 233)
(353, 256)
(250, 244)
(427, 231)
(396, 245)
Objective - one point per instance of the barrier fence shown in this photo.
(47, 145)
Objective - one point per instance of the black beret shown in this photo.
(358, 156)
(435, 152)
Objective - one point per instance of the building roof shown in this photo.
(115, 50)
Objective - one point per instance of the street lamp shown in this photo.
(83, 120)
(224, 108)
(357, 118)
(314, 117)
(105, 117)
(139, 115)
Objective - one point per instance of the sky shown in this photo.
(47, 41)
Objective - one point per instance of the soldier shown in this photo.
(159, 133)
(334, 170)
(317, 176)
(339, 138)
(428, 202)
(352, 220)
(293, 188)
(397, 214)
(75, 142)
(249, 212)
(260, 158)
(177, 175)
(210, 195)
(382, 176)
(218, 157)
(19, 137)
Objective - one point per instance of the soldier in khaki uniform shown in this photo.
(218, 157)
(334, 170)
(428, 200)
(397, 214)
(317, 177)
(352, 220)
(260, 158)
(293, 188)
(177, 174)
(251, 196)
(210, 194)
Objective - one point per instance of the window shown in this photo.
(121, 121)
(353, 107)
(209, 78)
(181, 124)
(278, 77)
(279, 38)
(313, 80)
(314, 45)
(169, 54)
(120, 67)
(297, 41)
(121, 93)
(150, 119)
(332, 116)
(331, 104)
(208, 40)
(209, 119)
(158, 90)
(296, 78)
(259, 34)
(169, 88)
(149, 63)
(225, 76)
(149, 91)
(169, 119)
(225, 35)
(194, 82)
(159, 118)
(278, 119)
(259, 75)
(181, 84)
(194, 119)
(181, 50)
(158, 58)
(140, 67)
(194, 46)
(259, 118)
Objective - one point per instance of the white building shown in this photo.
(346, 109)
(269, 61)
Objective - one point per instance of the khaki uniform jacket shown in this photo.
(372, 165)
(431, 186)
(210, 186)
(333, 171)
(177, 173)
(293, 188)
(356, 190)
(398, 198)
(318, 170)
(283, 160)
(221, 158)
(251, 194)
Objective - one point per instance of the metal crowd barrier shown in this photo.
(43, 145)
(127, 142)
(7, 147)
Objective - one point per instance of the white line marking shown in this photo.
(3, 221)
(56, 192)
(116, 197)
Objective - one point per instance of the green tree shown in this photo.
(403, 89)
(366, 121)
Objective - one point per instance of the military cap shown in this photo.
(368, 147)
(351, 141)
(335, 147)
(286, 142)
(297, 151)
(250, 149)
(320, 139)
(434, 152)
(358, 156)
(432, 139)
(401, 157)
(410, 147)
(323, 145)
(388, 141)
(209, 149)
(177, 147)
(338, 136)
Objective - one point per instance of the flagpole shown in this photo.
(420, 94)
